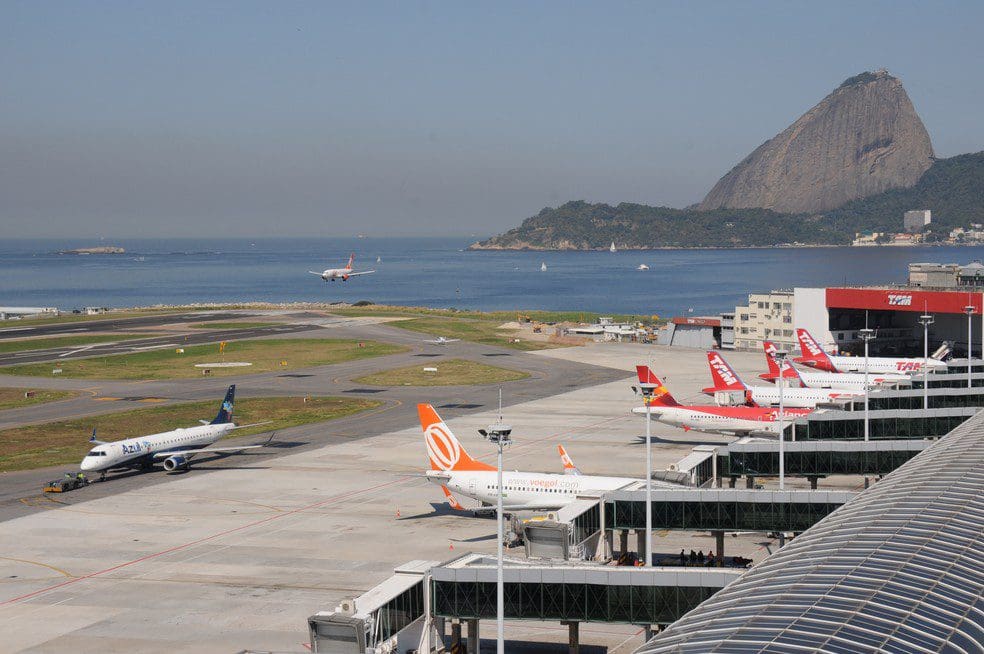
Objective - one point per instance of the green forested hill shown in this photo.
(953, 188)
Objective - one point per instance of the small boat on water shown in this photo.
(543, 267)
(642, 266)
(379, 259)
(612, 248)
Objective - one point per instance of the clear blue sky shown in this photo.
(295, 118)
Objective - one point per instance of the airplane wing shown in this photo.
(355, 274)
(206, 450)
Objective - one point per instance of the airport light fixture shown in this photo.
(969, 310)
(498, 435)
(866, 335)
(646, 390)
(926, 320)
(780, 358)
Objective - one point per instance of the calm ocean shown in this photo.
(434, 272)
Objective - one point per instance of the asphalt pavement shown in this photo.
(115, 324)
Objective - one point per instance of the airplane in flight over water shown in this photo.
(440, 340)
(728, 383)
(331, 274)
(711, 419)
(850, 381)
(456, 472)
(815, 357)
(176, 447)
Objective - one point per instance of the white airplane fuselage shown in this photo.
(709, 421)
(140, 450)
(850, 381)
(527, 490)
(793, 398)
(881, 365)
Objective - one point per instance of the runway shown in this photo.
(117, 324)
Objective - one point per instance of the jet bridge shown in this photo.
(886, 424)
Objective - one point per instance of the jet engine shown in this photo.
(173, 463)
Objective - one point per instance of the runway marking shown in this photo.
(43, 565)
(177, 548)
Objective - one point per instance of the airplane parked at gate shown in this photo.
(456, 472)
(711, 419)
(331, 274)
(727, 381)
(850, 381)
(815, 357)
(176, 447)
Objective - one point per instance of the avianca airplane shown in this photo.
(850, 381)
(711, 419)
(815, 357)
(331, 274)
(176, 447)
(456, 472)
(726, 379)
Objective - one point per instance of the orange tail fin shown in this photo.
(351, 261)
(569, 467)
(661, 396)
(443, 449)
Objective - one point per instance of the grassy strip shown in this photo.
(450, 372)
(497, 316)
(477, 331)
(13, 398)
(233, 325)
(66, 442)
(265, 355)
(29, 344)
(109, 315)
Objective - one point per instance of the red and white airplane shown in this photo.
(331, 274)
(815, 357)
(456, 472)
(850, 381)
(728, 384)
(711, 419)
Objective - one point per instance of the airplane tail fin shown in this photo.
(661, 396)
(443, 449)
(942, 353)
(813, 354)
(788, 371)
(723, 375)
(351, 260)
(569, 467)
(225, 411)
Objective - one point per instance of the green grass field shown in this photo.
(265, 355)
(450, 372)
(28, 344)
(66, 442)
(13, 398)
(233, 325)
(476, 331)
(497, 316)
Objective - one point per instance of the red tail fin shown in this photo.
(770, 351)
(813, 354)
(443, 449)
(661, 396)
(351, 260)
(724, 376)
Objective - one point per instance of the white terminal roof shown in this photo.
(898, 569)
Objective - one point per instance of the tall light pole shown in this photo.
(866, 335)
(498, 435)
(780, 358)
(969, 310)
(646, 391)
(925, 320)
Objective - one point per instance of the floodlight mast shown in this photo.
(498, 435)
(866, 335)
(646, 390)
(969, 310)
(926, 320)
(780, 358)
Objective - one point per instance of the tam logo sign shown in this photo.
(899, 300)
(723, 371)
(908, 366)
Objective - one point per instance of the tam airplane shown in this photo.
(711, 419)
(456, 472)
(176, 447)
(727, 381)
(815, 357)
(850, 381)
(331, 274)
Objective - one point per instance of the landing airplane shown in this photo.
(711, 419)
(815, 357)
(440, 340)
(455, 471)
(176, 447)
(331, 274)
(850, 381)
(727, 382)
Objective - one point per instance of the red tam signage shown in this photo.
(893, 299)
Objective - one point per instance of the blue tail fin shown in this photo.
(225, 411)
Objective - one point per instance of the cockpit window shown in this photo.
(97, 453)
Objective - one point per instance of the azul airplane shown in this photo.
(175, 447)
(815, 357)
(331, 274)
(456, 472)
(850, 381)
(711, 419)
(727, 380)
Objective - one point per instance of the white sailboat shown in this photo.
(642, 266)
(612, 248)
(543, 267)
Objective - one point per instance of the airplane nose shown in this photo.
(85, 465)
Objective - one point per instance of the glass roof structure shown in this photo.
(900, 568)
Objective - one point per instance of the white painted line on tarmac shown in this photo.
(17, 329)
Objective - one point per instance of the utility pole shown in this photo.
(866, 335)
(926, 320)
(498, 435)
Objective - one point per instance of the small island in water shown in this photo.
(102, 249)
